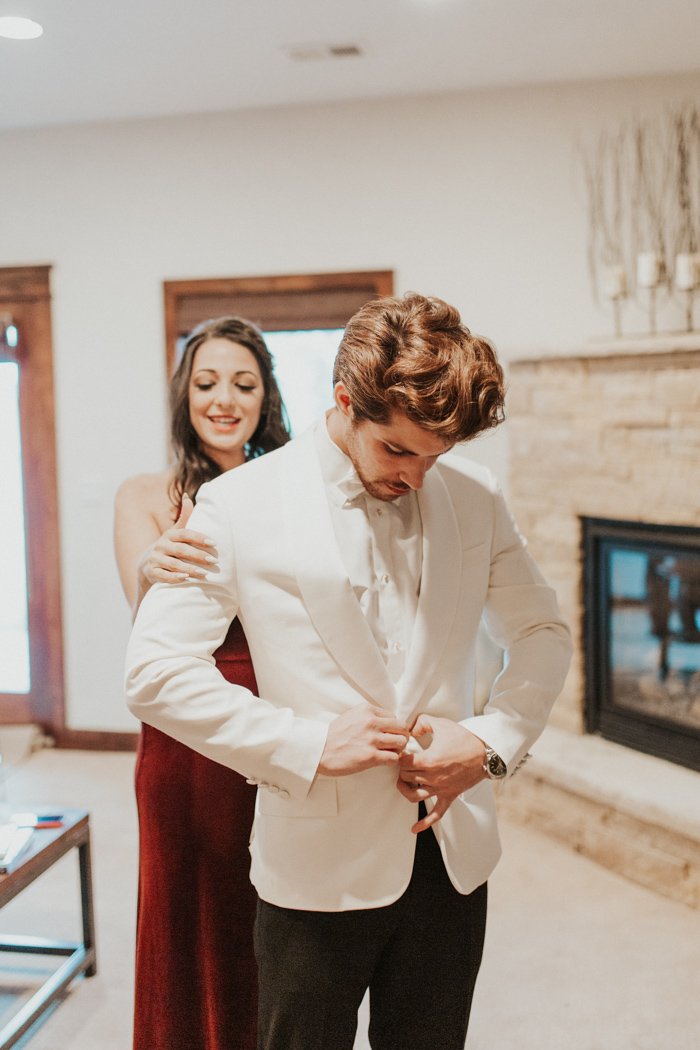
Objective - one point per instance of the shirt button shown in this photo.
(397, 647)
(378, 511)
(385, 578)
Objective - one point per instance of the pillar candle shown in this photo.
(614, 284)
(650, 266)
(687, 271)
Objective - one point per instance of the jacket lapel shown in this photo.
(439, 593)
(328, 595)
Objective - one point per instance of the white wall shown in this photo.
(473, 197)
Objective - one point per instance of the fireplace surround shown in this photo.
(609, 434)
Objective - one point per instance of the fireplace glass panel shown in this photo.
(642, 636)
(655, 633)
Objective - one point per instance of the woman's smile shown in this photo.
(224, 423)
(226, 397)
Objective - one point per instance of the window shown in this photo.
(31, 672)
(301, 316)
(15, 673)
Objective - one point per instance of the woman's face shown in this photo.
(226, 395)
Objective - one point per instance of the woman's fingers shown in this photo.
(186, 508)
(181, 565)
(185, 546)
(162, 567)
(178, 535)
(158, 575)
(186, 551)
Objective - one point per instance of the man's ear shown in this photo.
(342, 400)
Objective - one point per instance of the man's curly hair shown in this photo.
(414, 355)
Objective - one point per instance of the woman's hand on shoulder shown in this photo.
(144, 539)
(179, 553)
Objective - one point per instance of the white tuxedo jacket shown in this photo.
(330, 844)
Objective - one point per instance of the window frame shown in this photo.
(375, 282)
(25, 293)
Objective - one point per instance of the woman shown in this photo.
(196, 983)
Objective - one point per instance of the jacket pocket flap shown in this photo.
(321, 801)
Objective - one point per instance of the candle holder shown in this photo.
(650, 274)
(614, 287)
(688, 281)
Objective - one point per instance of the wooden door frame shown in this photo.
(381, 281)
(25, 293)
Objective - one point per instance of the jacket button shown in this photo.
(253, 782)
(273, 788)
(283, 793)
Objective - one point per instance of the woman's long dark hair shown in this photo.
(193, 466)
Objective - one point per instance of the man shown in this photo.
(360, 559)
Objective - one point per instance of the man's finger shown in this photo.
(391, 741)
(421, 726)
(389, 723)
(410, 762)
(385, 758)
(412, 792)
(413, 775)
(437, 812)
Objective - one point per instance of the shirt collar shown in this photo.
(338, 471)
(340, 475)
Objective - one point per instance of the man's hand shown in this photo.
(363, 737)
(452, 763)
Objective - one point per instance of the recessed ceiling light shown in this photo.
(20, 28)
(345, 51)
(311, 52)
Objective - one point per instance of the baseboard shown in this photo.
(94, 740)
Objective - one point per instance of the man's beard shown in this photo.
(372, 486)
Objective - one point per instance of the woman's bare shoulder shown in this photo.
(148, 493)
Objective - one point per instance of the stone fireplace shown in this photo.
(641, 636)
(611, 434)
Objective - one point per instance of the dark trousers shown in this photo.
(419, 957)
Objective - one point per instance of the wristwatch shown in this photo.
(494, 766)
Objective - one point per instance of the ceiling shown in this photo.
(106, 60)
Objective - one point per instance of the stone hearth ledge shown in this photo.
(635, 814)
(634, 345)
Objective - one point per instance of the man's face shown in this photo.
(393, 458)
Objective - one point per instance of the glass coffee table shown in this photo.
(48, 845)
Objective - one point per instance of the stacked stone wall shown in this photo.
(606, 437)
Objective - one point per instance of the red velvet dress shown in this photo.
(196, 979)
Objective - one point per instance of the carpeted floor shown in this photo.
(576, 958)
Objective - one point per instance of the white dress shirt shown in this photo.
(381, 546)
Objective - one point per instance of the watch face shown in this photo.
(497, 767)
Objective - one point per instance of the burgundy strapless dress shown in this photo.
(196, 979)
